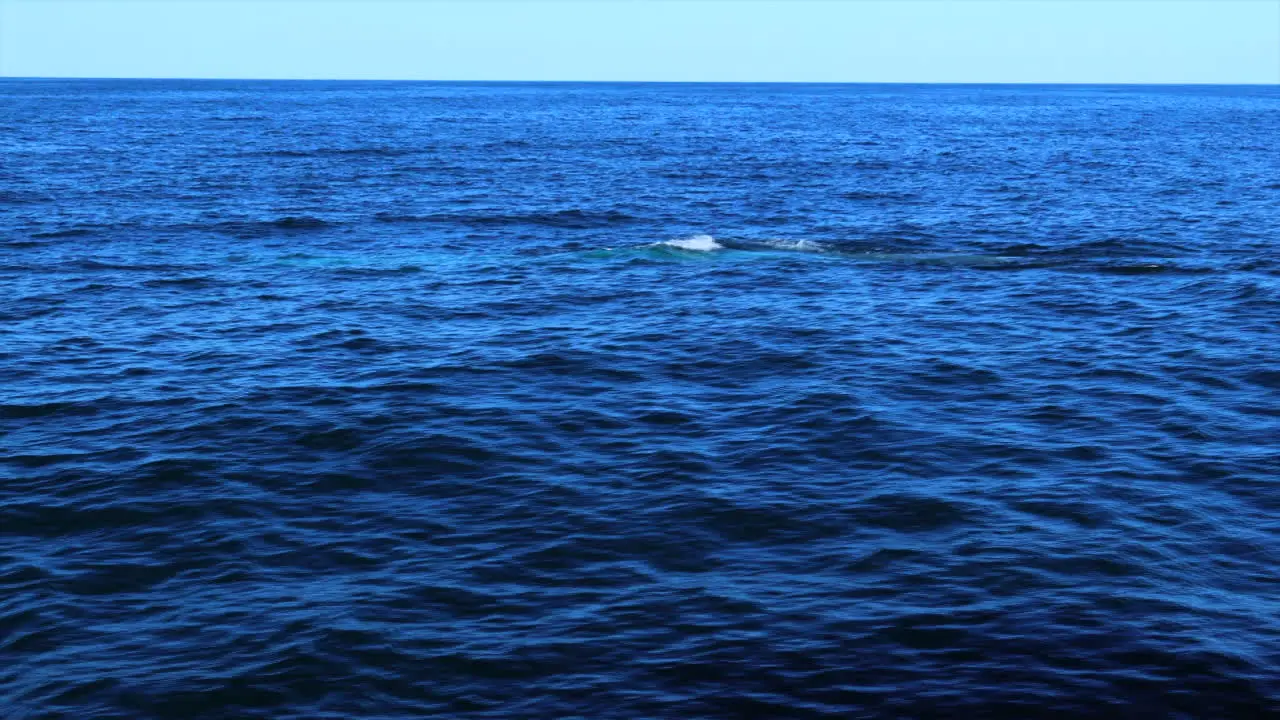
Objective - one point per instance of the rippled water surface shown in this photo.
(330, 400)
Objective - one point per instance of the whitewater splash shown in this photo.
(699, 243)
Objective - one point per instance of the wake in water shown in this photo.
(707, 243)
(1066, 259)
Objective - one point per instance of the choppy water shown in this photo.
(382, 400)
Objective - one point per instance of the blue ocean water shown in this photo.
(384, 400)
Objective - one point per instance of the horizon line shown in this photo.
(1071, 83)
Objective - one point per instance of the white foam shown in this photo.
(794, 245)
(700, 243)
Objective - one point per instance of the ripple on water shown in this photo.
(507, 414)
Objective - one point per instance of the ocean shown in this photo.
(391, 400)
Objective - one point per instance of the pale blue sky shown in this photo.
(1127, 41)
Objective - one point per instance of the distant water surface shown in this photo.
(381, 400)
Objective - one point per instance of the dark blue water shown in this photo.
(327, 400)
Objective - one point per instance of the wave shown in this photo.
(243, 228)
(69, 232)
(89, 264)
(374, 151)
(1116, 247)
(390, 271)
(189, 283)
(259, 228)
(24, 411)
(1147, 268)
(573, 219)
(282, 153)
(881, 195)
(20, 197)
